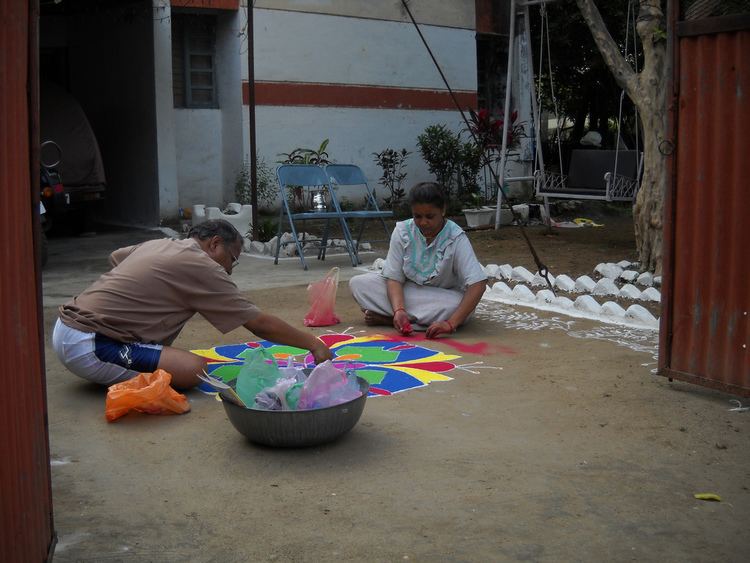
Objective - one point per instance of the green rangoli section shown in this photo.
(373, 376)
(368, 354)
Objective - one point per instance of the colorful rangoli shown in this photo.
(389, 364)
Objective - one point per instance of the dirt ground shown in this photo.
(561, 445)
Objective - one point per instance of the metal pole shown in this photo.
(506, 114)
(251, 113)
(535, 110)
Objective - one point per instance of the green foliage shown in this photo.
(307, 156)
(470, 161)
(346, 204)
(439, 148)
(266, 183)
(455, 163)
(393, 164)
(296, 195)
(585, 90)
(267, 228)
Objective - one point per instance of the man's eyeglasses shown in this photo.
(235, 259)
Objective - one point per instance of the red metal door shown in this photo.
(26, 530)
(706, 314)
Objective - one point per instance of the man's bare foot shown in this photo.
(375, 319)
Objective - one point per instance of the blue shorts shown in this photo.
(143, 358)
(101, 359)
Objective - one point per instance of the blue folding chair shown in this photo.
(351, 175)
(309, 176)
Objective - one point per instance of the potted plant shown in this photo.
(486, 130)
(480, 211)
(476, 212)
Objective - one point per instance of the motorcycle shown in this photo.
(53, 196)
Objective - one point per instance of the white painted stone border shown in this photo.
(585, 305)
(582, 308)
(584, 284)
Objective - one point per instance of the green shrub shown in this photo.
(266, 183)
(455, 163)
(393, 164)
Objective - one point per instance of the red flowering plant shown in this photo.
(487, 133)
(488, 129)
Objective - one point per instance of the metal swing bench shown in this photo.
(594, 174)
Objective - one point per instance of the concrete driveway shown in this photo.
(557, 444)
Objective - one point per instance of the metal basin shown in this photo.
(294, 429)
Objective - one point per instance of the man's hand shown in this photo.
(321, 352)
(401, 322)
(272, 328)
(438, 328)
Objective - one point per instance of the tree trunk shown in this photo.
(648, 210)
(647, 90)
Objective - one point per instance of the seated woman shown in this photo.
(431, 279)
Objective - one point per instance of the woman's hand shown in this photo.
(401, 322)
(438, 328)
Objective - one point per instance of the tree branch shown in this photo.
(622, 71)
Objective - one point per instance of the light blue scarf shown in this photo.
(423, 261)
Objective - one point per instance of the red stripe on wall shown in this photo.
(354, 96)
(210, 4)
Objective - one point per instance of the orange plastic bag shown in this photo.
(322, 297)
(146, 392)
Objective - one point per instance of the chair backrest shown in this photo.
(301, 175)
(351, 175)
(346, 174)
(588, 167)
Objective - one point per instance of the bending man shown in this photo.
(126, 321)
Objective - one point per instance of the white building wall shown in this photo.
(454, 13)
(354, 135)
(166, 146)
(312, 48)
(199, 159)
(230, 57)
(302, 47)
(208, 141)
(201, 150)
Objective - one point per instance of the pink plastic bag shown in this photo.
(322, 297)
(328, 386)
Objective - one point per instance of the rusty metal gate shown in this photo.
(705, 330)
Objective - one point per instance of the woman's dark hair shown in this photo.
(213, 228)
(427, 193)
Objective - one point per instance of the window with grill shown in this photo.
(194, 61)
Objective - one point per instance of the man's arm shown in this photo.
(274, 329)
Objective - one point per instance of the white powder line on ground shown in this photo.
(638, 339)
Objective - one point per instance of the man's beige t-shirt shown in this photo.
(153, 290)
